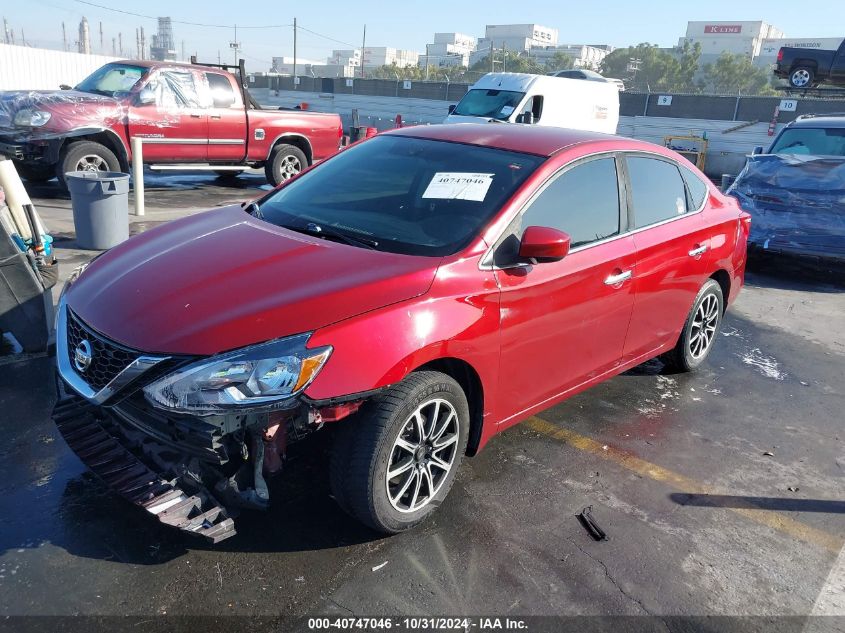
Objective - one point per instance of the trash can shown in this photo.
(100, 201)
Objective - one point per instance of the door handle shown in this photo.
(618, 279)
(698, 250)
(215, 116)
(195, 116)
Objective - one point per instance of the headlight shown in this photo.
(31, 118)
(259, 376)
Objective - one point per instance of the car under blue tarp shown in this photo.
(797, 203)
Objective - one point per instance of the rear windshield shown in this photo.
(811, 142)
(491, 104)
(402, 194)
(112, 79)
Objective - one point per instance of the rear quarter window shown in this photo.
(696, 188)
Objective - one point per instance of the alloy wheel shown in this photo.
(800, 78)
(290, 167)
(422, 455)
(92, 162)
(704, 325)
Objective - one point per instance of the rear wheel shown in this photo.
(85, 156)
(394, 464)
(700, 329)
(802, 77)
(285, 162)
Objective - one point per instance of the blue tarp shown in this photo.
(796, 202)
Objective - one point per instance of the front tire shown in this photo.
(394, 464)
(700, 329)
(85, 156)
(802, 77)
(285, 162)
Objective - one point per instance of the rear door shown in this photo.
(564, 322)
(227, 128)
(673, 249)
(175, 126)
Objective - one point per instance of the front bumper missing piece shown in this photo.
(87, 436)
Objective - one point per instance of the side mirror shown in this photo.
(757, 150)
(525, 117)
(452, 108)
(544, 244)
(146, 97)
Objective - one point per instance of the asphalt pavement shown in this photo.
(721, 492)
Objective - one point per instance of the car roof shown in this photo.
(819, 121)
(538, 140)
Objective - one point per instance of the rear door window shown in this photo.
(175, 89)
(222, 94)
(657, 190)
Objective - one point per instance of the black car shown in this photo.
(807, 68)
(795, 192)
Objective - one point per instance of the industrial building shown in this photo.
(375, 56)
(737, 38)
(521, 38)
(583, 55)
(448, 50)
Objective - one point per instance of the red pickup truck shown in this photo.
(186, 114)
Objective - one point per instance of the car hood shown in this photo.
(69, 109)
(794, 200)
(222, 279)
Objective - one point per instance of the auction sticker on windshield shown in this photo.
(447, 185)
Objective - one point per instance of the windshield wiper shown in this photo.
(328, 233)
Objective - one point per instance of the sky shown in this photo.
(330, 25)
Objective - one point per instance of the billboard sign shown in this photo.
(723, 28)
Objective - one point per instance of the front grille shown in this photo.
(108, 359)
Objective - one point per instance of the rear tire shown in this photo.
(802, 77)
(85, 156)
(35, 173)
(418, 429)
(285, 162)
(700, 329)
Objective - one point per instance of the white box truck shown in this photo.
(539, 100)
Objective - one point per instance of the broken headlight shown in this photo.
(261, 376)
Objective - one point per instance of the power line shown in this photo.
(326, 37)
(152, 17)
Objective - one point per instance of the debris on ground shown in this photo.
(377, 567)
(793, 489)
(768, 453)
(589, 523)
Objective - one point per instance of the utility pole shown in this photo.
(218, 57)
(120, 43)
(363, 46)
(143, 44)
(294, 53)
(235, 45)
(137, 44)
(114, 46)
(5, 31)
(183, 50)
(102, 50)
(64, 37)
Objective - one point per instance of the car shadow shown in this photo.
(774, 504)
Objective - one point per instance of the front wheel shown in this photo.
(285, 163)
(700, 330)
(394, 464)
(86, 156)
(801, 77)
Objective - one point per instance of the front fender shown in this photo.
(457, 318)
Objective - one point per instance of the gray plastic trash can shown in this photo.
(100, 202)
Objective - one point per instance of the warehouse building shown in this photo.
(448, 50)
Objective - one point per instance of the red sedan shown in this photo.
(418, 293)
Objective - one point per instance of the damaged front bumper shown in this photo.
(193, 473)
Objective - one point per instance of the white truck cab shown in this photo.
(539, 100)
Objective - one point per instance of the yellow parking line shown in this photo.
(770, 519)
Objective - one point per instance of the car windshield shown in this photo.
(112, 79)
(402, 194)
(811, 142)
(494, 104)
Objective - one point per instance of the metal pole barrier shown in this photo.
(138, 173)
